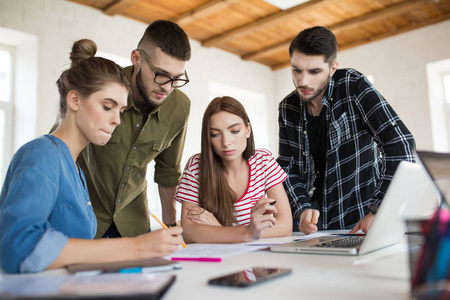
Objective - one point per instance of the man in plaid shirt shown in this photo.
(340, 141)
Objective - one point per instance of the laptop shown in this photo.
(410, 186)
(427, 256)
(438, 167)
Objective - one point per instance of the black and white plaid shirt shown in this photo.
(366, 142)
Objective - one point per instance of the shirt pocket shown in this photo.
(150, 151)
(159, 147)
(339, 131)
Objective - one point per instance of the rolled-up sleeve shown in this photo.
(45, 252)
(395, 142)
(168, 163)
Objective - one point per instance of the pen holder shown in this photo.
(429, 256)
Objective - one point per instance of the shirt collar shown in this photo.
(129, 72)
(156, 112)
(328, 95)
(131, 103)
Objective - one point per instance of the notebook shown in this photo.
(410, 185)
(155, 264)
(149, 286)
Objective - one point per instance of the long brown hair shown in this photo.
(215, 195)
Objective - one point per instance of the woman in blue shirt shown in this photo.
(46, 218)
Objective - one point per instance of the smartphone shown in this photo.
(251, 276)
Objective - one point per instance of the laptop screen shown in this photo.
(438, 167)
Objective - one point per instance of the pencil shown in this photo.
(162, 224)
(312, 218)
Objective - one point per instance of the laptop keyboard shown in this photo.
(350, 242)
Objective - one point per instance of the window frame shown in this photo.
(446, 87)
(8, 108)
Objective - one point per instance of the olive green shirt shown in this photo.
(116, 172)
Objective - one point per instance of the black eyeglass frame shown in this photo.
(173, 81)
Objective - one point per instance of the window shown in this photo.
(438, 74)
(18, 102)
(255, 104)
(6, 106)
(446, 79)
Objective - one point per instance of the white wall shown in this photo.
(399, 67)
(25, 99)
(57, 24)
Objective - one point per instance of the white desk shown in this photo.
(383, 274)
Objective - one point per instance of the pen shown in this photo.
(130, 270)
(204, 259)
(272, 203)
(162, 224)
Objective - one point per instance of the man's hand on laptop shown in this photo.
(308, 221)
(364, 224)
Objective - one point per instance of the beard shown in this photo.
(323, 86)
(150, 103)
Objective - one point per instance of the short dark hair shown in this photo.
(168, 36)
(316, 40)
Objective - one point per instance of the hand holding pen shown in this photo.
(163, 225)
(158, 243)
(262, 217)
(308, 221)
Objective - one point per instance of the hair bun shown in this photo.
(83, 49)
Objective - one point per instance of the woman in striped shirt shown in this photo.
(231, 192)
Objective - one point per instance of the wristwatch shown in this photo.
(374, 209)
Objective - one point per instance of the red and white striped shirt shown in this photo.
(264, 174)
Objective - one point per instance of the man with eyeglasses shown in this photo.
(153, 127)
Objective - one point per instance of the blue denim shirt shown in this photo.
(44, 201)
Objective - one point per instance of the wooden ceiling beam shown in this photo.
(360, 42)
(345, 26)
(266, 51)
(281, 65)
(118, 6)
(202, 11)
(412, 26)
(387, 12)
(264, 22)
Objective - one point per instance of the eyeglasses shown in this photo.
(162, 79)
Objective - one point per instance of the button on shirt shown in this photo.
(116, 172)
(366, 141)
